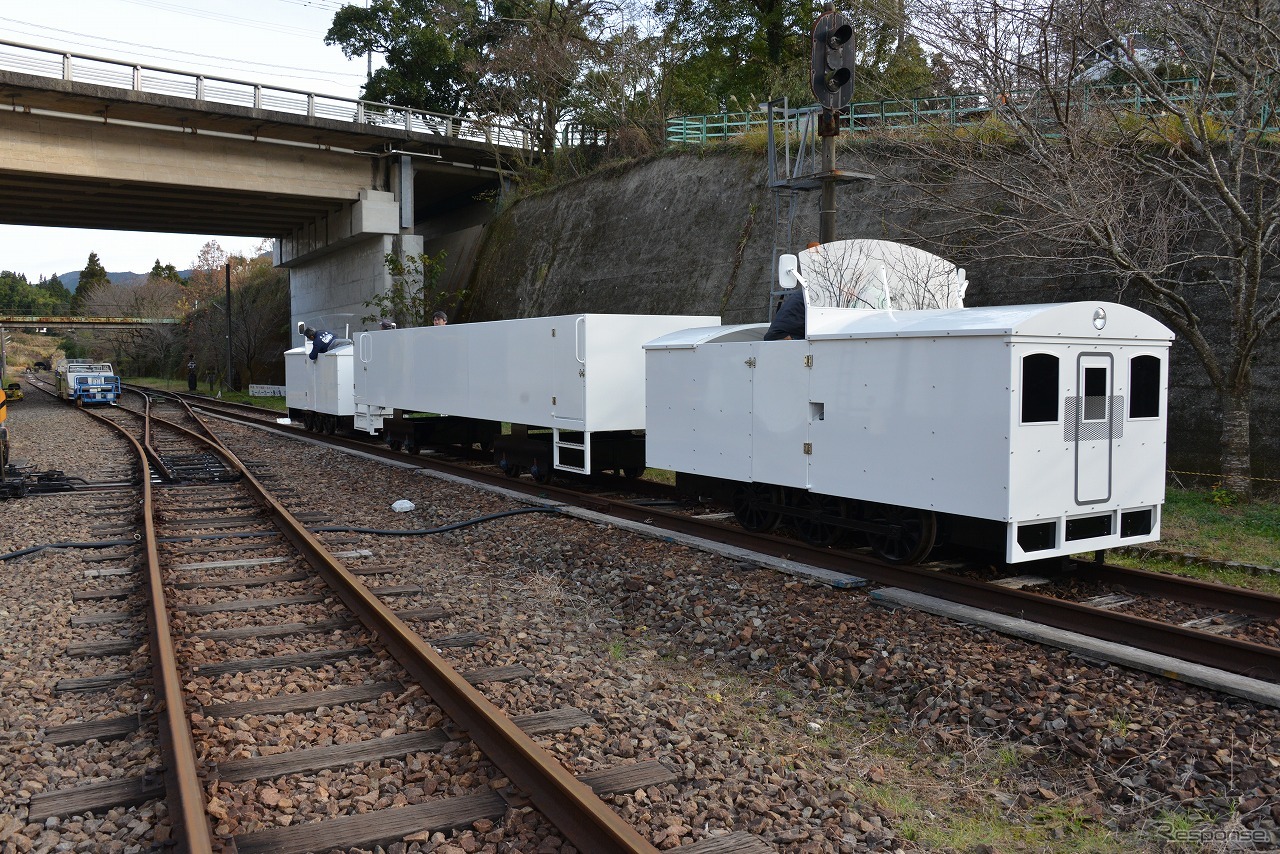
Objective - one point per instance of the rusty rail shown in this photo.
(182, 780)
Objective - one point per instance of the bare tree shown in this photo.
(139, 350)
(1172, 188)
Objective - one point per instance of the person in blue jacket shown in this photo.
(788, 323)
(320, 341)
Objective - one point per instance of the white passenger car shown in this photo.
(1035, 430)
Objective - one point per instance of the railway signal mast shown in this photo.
(832, 81)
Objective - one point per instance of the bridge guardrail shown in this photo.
(100, 71)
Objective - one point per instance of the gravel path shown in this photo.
(809, 716)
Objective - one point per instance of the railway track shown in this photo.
(1203, 623)
(237, 595)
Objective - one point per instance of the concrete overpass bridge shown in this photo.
(90, 142)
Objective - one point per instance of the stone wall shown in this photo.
(694, 233)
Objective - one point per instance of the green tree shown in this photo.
(166, 272)
(428, 46)
(57, 293)
(415, 291)
(731, 55)
(93, 276)
(519, 60)
(18, 296)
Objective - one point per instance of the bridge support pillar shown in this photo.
(329, 291)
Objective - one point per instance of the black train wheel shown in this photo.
(752, 507)
(915, 533)
(809, 527)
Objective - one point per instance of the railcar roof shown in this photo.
(1047, 320)
(1074, 320)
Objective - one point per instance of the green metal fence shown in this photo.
(947, 110)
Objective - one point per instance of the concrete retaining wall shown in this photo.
(694, 234)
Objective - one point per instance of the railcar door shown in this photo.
(568, 372)
(781, 411)
(1094, 427)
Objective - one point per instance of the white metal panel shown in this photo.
(781, 411)
(332, 386)
(297, 379)
(699, 410)
(683, 339)
(1041, 472)
(511, 370)
(916, 422)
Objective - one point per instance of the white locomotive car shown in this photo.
(905, 420)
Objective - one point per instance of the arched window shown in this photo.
(1039, 388)
(1144, 387)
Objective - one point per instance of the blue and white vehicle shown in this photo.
(86, 381)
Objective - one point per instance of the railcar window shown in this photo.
(1095, 394)
(1144, 387)
(1039, 388)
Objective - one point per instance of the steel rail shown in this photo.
(183, 786)
(1224, 653)
(1182, 588)
(152, 454)
(570, 805)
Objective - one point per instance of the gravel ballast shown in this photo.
(803, 714)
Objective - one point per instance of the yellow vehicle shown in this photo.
(4, 432)
(14, 391)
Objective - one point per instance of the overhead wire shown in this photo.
(39, 31)
(222, 16)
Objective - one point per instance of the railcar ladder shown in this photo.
(585, 446)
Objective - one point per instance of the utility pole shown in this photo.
(833, 62)
(228, 382)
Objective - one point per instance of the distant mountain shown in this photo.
(71, 280)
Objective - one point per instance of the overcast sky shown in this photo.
(279, 42)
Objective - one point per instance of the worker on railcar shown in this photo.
(320, 340)
(788, 322)
(439, 319)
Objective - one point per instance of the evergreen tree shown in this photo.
(166, 272)
(58, 295)
(93, 276)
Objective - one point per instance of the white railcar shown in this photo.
(320, 393)
(1036, 430)
(577, 378)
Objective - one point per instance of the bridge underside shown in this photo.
(336, 196)
(77, 155)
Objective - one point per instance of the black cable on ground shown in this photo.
(336, 529)
(102, 544)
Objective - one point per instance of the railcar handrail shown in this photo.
(102, 71)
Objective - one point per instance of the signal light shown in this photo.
(833, 60)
